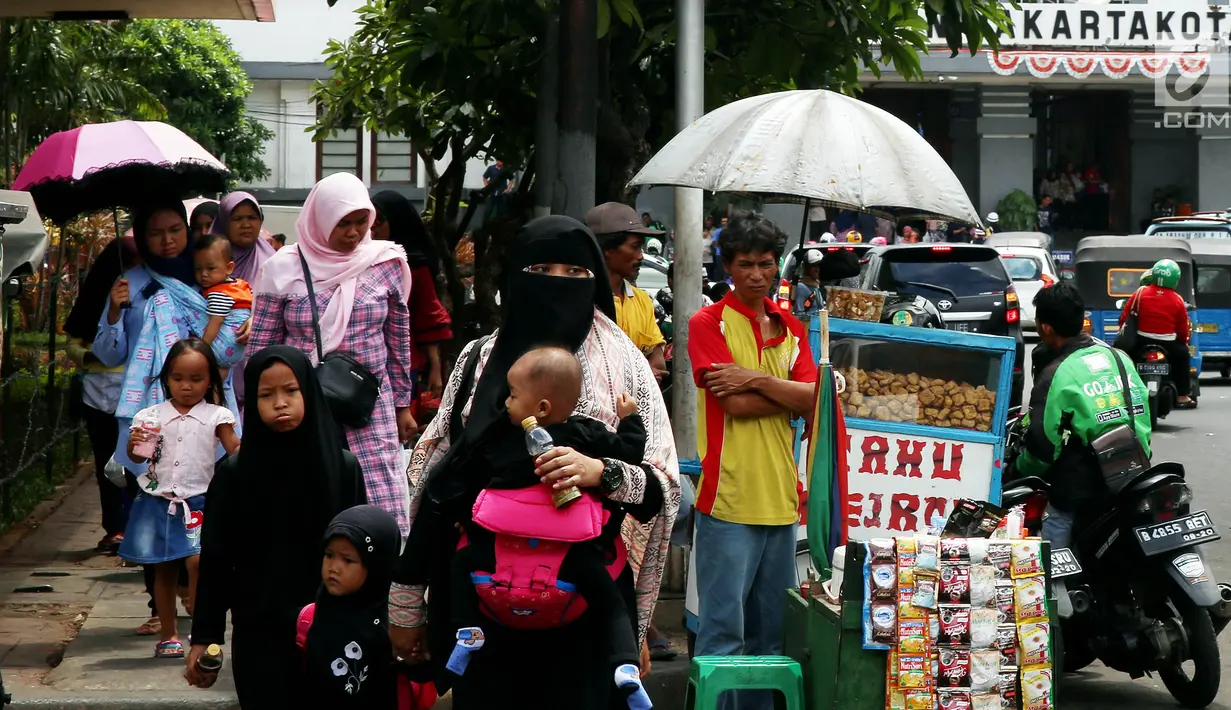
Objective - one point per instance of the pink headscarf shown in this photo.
(332, 199)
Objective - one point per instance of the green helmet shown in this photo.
(1147, 278)
(1166, 273)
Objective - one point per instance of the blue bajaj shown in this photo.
(1108, 272)
(1213, 316)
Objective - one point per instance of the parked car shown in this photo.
(653, 274)
(968, 283)
(1032, 270)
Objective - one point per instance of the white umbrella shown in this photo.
(816, 145)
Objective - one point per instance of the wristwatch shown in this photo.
(613, 476)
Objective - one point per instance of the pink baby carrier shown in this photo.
(524, 590)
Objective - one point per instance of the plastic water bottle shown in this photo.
(211, 660)
(538, 442)
(151, 425)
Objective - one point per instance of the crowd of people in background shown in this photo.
(1076, 199)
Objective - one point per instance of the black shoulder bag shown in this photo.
(350, 389)
(1121, 457)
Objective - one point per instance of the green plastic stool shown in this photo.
(711, 676)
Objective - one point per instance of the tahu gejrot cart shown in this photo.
(925, 413)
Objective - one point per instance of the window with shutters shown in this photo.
(393, 159)
(339, 153)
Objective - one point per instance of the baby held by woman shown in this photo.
(527, 564)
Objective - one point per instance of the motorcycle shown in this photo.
(1155, 372)
(1135, 591)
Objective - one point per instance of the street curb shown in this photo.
(117, 700)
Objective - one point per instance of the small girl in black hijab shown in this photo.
(348, 659)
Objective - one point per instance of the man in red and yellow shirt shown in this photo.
(753, 361)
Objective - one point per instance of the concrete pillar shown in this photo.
(964, 138)
(1213, 164)
(1159, 156)
(1006, 145)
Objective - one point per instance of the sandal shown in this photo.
(660, 650)
(152, 627)
(169, 649)
(110, 543)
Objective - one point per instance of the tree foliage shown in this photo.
(460, 77)
(196, 75)
(55, 76)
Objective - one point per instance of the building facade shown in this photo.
(1090, 83)
(1136, 90)
(285, 59)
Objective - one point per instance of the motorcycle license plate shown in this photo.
(1192, 529)
(1154, 368)
(1064, 563)
(1207, 328)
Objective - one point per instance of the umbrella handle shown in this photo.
(839, 382)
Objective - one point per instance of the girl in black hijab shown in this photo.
(348, 660)
(554, 293)
(267, 508)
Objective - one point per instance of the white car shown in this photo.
(653, 275)
(1032, 270)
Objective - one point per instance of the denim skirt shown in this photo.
(161, 530)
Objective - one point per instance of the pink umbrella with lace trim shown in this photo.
(106, 165)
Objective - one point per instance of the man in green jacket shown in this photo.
(1078, 396)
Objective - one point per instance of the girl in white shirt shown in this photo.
(179, 439)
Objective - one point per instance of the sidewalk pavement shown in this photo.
(68, 615)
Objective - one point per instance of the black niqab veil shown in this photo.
(303, 468)
(406, 229)
(538, 310)
(353, 629)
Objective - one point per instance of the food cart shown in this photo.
(907, 461)
(925, 417)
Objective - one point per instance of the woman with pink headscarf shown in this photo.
(361, 289)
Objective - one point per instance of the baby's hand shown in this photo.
(626, 406)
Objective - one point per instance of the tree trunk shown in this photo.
(547, 127)
(578, 111)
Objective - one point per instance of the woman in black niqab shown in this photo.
(554, 283)
(268, 507)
